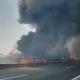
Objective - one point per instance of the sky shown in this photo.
(10, 29)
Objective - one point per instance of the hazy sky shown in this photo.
(10, 29)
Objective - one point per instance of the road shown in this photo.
(48, 72)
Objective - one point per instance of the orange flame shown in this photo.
(73, 57)
(24, 60)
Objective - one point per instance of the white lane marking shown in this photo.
(69, 67)
(76, 78)
(14, 77)
(29, 68)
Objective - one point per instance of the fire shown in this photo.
(24, 60)
(73, 57)
(29, 60)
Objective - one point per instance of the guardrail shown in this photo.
(6, 66)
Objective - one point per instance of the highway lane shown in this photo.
(49, 72)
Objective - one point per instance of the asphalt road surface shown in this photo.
(48, 72)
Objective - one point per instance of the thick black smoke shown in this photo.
(56, 21)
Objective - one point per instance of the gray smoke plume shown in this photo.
(74, 45)
(56, 22)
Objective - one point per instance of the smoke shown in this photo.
(74, 45)
(56, 22)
